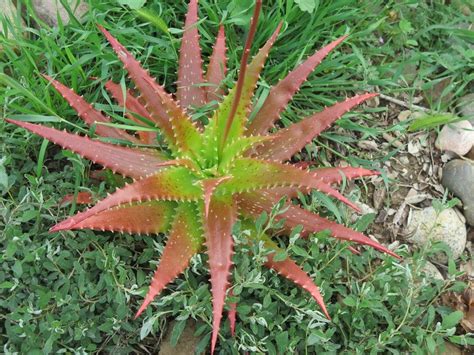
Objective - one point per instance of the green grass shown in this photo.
(76, 292)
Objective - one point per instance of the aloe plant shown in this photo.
(209, 176)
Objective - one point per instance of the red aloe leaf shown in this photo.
(187, 136)
(131, 162)
(132, 105)
(209, 185)
(289, 269)
(255, 204)
(328, 176)
(82, 198)
(151, 217)
(166, 113)
(218, 230)
(252, 174)
(283, 92)
(353, 250)
(190, 78)
(173, 184)
(289, 141)
(248, 78)
(337, 175)
(232, 313)
(185, 240)
(217, 69)
(89, 114)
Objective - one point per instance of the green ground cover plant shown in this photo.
(73, 291)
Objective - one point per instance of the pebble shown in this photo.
(379, 196)
(457, 137)
(432, 271)
(404, 115)
(187, 343)
(458, 177)
(367, 145)
(8, 10)
(449, 349)
(414, 147)
(426, 225)
(466, 107)
(48, 10)
(364, 209)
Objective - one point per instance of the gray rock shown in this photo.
(466, 107)
(426, 226)
(458, 177)
(456, 137)
(48, 10)
(187, 343)
(8, 10)
(432, 271)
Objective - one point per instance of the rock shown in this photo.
(8, 10)
(404, 115)
(426, 225)
(364, 209)
(379, 196)
(367, 145)
(449, 349)
(187, 342)
(466, 107)
(458, 177)
(48, 10)
(456, 137)
(432, 271)
(470, 155)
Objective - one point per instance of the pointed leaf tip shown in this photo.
(218, 230)
(131, 162)
(217, 68)
(282, 93)
(190, 78)
(291, 140)
(184, 241)
(88, 113)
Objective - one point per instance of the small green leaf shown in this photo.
(154, 19)
(307, 5)
(133, 4)
(432, 121)
(3, 176)
(146, 328)
(280, 256)
(431, 344)
(177, 331)
(452, 319)
(405, 26)
(350, 301)
(282, 342)
(6, 285)
(364, 222)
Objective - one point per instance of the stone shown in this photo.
(48, 10)
(466, 107)
(426, 225)
(431, 271)
(364, 209)
(457, 137)
(8, 10)
(404, 115)
(458, 177)
(449, 349)
(470, 155)
(187, 342)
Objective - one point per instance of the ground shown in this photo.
(78, 291)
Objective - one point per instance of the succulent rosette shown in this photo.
(208, 176)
